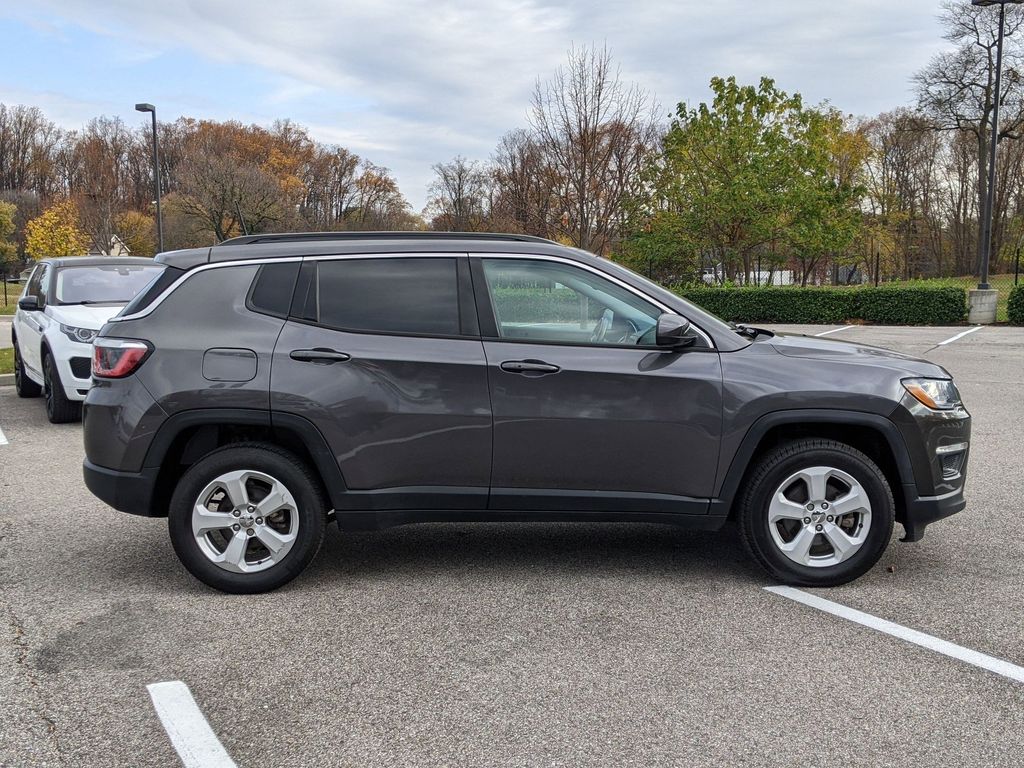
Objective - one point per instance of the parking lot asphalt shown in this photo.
(516, 644)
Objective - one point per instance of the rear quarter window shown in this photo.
(271, 291)
(148, 295)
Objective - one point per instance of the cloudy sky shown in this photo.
(409, 83)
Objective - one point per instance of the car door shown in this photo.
(29, 326)
(383, 355)
(588, 413)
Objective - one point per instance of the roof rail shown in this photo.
(298, 237)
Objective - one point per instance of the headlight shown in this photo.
(82, 335)
(937, 394)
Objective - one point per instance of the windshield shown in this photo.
(102, 283)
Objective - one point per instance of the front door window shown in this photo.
(536, 300)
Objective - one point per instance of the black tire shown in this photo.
(59, 410)
(23, 385)
(772, 470)
(259, 457)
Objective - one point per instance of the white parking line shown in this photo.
(960, 335)
(3, 438)
(835, 330)
(196, 743)
(991, 663)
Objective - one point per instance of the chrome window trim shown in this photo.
(205, 267)
(412, 254)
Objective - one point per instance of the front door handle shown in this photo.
(529, 366)
(320, 356)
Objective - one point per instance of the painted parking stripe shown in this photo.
(836, 330)
(960, 335)
(3, 438)
(193, 739)
(977, 659)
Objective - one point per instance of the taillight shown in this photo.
(117, 358)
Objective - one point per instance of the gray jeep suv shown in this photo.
(261, 387)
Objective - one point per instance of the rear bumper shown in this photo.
(922, 511)
(130, 492)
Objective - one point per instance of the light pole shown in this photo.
(156, 175)
(986, 224)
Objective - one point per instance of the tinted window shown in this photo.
(103, 284)
(148, 294)
(42, 288)
(272, 289)
(536, 300)
(32, 288)
(414, 295)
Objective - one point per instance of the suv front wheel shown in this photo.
(816, 513)
(247, 518)
(59, 409)
(23, 385)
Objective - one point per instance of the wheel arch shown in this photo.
(872, 434)
(188, 436)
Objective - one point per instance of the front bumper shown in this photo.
(131, 492)
(922, 511)
(938, 447)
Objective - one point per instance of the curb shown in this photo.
(6, 379)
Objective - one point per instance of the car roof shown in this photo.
(284, 245)
(96, 261)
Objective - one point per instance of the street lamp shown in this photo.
(986, 242)
(156, 174)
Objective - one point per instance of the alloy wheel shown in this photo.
(819, 516)
(245, 521)
(48, 386)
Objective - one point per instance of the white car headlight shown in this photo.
(937, 394)
(81, 335)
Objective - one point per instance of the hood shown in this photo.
(91, 316)
(835, 350)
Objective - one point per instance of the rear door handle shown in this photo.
(529, 366)
(319, 355)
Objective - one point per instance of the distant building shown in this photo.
(115, 248)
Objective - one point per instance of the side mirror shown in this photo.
(29, 304)
(672, 332)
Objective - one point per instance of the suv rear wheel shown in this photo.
(247, 518)
(816, 513)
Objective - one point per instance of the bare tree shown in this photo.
(331, 188)
(215, 188)
(459, 196)
(957, 88)
(524, 186)
(595, 131)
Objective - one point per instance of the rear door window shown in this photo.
(401, 296)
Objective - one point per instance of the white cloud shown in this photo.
(413, 83)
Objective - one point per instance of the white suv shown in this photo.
(65, 302)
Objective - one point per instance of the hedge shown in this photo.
(1015, 306)
(888, 305)
(558, 305)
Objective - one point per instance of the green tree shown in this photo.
(56, 232)
(824, 194)
(137, 232)
(752, 177)
(8, 248)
